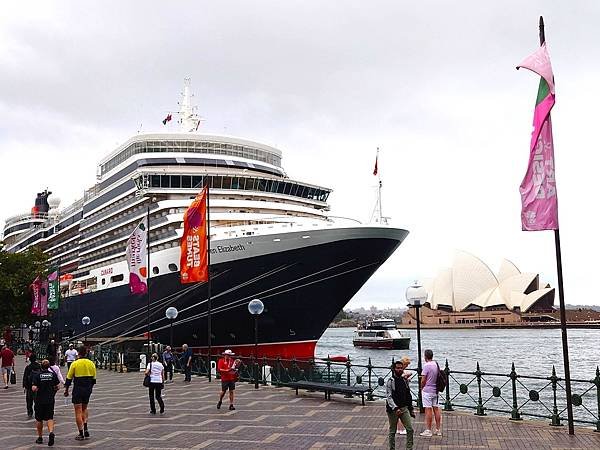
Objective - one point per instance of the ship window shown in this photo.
(175, 181)
(287, 188)
(186, 181)
(103, 280)
(173, 267)
(165, 181)
(116, 278)
(155, 270)
(226, 182)
(250, 184)
(196, 181)
(281, 187)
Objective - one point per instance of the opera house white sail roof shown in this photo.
(471, 284)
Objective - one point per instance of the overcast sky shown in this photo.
(433, 84)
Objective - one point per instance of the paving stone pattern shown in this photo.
(267, 418)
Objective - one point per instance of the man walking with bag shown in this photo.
(8, 364)
(399, 406)
(429, 387)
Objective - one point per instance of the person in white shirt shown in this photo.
(70, 355)
(157, 379)
(54, 368)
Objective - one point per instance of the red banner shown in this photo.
(194, 255)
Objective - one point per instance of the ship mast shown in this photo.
(377, 211)
(188, 119)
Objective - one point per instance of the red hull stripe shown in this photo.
(284, 350)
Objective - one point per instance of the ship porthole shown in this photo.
(173, 267)
(155, 270)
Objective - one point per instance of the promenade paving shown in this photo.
(267, 418)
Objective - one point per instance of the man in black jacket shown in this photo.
(30, 370)
(399, 406)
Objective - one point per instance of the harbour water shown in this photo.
(533, 351)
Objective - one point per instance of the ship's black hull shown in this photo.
(302, 290)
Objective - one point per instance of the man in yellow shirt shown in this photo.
(83, 375)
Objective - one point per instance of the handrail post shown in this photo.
(514, 415)
(448, 402)
(555, 416)
(369, 371)
(263, 375)
(294, 369)
(328, 369)
(278, 371)
(348, 371)
(480, 408)
(597, 383)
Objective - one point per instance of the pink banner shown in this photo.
(44, 298)
(539, 201)
(35, 296)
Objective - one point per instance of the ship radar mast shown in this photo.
(188, 119)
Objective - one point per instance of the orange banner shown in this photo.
(194, 255)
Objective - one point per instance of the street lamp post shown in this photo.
(416, 296)
(38, 326)
(44, 332)
(85, 321)
(256, 307)
(171, 314)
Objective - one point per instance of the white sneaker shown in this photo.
(401, 432)
(426, 433)
(438, 432)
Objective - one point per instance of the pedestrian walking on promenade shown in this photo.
(8, 364)
(228, 370)
(83, 376)
(168, 359)
(428, 382)
(157, 379)
(399, 406)
(51, 349)
(44, 385)
(54, 368)
(30, 371)
(70, 356)
(186, 362)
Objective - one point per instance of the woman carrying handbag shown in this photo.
(154, 379)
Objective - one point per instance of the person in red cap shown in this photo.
(227, 368)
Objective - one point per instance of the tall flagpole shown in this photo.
(379, 193)
(208, 328)
(148, 282)
(561, 297)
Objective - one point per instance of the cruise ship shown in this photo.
(271, 238)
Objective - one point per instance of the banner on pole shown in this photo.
(53, 289)
(539, 202)
(137, 258)
(35, 296)
(194, 246)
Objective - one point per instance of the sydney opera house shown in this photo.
(469, 292)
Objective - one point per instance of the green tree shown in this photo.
(17, 271)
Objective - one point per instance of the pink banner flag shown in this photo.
(44, 298)
(137, 258)
(35, 296)
(539, 210)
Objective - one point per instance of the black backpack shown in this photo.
(442, 380)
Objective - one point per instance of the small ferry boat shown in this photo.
(381, 333)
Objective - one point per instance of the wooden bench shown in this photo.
(329, 388)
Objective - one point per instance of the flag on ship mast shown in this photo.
(167, 119)
(53, 289)
(539, 201)
(194, 254)
(35, 296)
(376, 158)
(137, 258)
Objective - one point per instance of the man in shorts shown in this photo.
(70, 356)
(83, 375)
(8, 364)
(44, 385)
(430, 395)
(229, 375)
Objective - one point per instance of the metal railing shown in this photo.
(513, 394)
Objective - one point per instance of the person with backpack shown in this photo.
(431, 384)
(45, 384)
(31, 369)
(398, 405)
